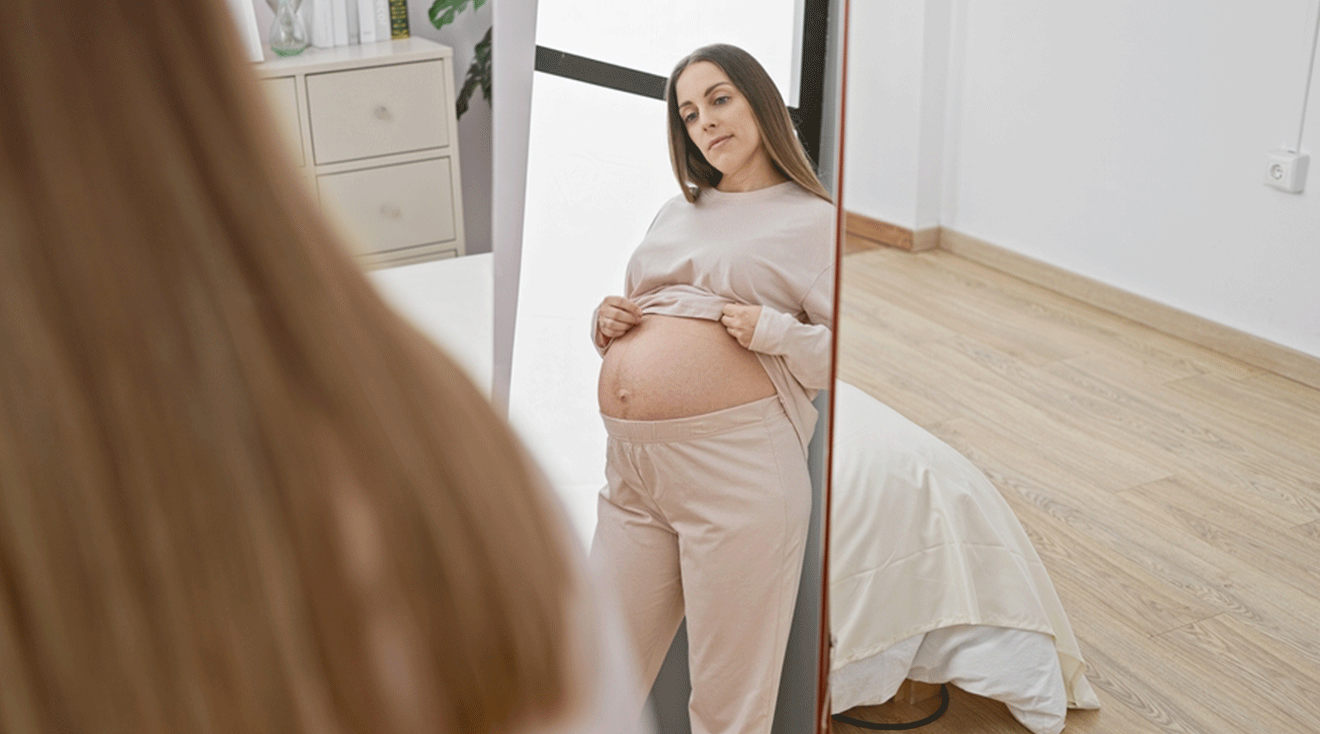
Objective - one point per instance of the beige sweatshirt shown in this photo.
(773, 247)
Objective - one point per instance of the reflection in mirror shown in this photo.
(1078, 369)
(598, 172)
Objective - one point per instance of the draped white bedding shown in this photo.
(933, 578)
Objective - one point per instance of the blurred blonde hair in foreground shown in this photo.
(237, 492)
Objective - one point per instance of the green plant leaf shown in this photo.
(478, 75)
(443, 12)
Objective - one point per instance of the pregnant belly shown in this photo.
(671, 367)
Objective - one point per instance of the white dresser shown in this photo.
(373, 128)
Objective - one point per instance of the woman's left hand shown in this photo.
(740, 321)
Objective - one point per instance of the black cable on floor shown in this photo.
(944, 706)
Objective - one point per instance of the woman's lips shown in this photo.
(718, 142)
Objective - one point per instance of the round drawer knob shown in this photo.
(390, 211)
(383, 113)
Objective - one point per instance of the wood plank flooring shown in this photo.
(1173, 492)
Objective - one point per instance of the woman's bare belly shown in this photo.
(673, 367)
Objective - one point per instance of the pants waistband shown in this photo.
(695, 426)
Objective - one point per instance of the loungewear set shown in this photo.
(706, 516)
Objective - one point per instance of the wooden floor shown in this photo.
(1173, 493)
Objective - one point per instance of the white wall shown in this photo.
(1124, 141)
(882, 115)
(935, 53)
(592, 190)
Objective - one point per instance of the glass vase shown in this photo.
(288, 34)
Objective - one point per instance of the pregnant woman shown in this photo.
(711, 360)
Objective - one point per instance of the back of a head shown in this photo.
(237, 492)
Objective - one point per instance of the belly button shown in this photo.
(623, 395)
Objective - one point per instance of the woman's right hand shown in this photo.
(616, 316)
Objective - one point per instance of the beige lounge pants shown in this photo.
(707, 516)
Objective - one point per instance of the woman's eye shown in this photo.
(722, 99)
(689, 117)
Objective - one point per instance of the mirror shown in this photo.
(1081, 331)
(598, 171)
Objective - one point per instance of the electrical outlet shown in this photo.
(1286, 170)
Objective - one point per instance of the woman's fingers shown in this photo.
(623, 309)
(612, 328)
(626, 317)
(631, 308)
(740, 321)
(618, 315)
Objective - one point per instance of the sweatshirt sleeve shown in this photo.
(805, 347)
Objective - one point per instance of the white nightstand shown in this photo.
(373, 126)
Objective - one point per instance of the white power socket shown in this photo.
(1286, 170)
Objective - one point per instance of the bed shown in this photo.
(932, 577)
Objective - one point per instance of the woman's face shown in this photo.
(720, 121)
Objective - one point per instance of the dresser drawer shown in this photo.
(378, 110)
(393, 207)
(282, 96)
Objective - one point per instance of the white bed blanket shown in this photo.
(921, 542)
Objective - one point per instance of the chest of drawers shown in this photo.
(373, 129)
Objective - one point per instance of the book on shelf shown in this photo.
(382, 19)
(323, 23)
(352, 12)
(398, 19)
(366, 14)
(340, 8)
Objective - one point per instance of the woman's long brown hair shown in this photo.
(238, 493)
(693, 171)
